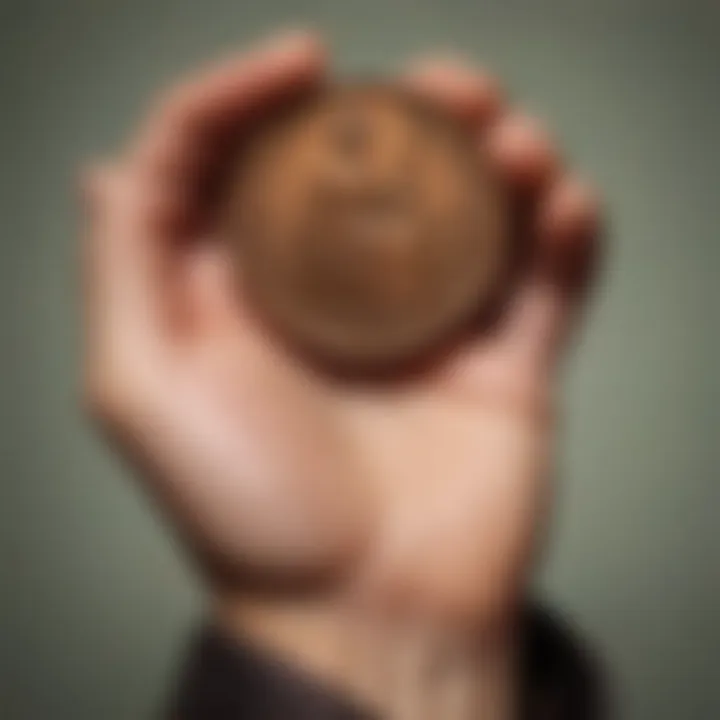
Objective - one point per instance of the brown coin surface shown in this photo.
(366, 224)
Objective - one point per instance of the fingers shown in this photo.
(124, 341)
(471, 96)
(132, 249)
(138, 195)
(543, 310)
(563, 228)
(565, 213)
(523, 152)
(568, 225)
(121, 257)
(190, 125)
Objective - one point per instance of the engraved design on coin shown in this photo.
(366, 224)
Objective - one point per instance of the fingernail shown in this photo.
(292, 41)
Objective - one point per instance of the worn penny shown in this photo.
(366, 224)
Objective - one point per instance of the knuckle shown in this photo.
(174, 106)
(110, 394)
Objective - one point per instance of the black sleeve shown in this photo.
(562, 678)
(223, 679)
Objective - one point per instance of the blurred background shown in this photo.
(95, 599)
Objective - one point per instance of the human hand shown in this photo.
(426, 493)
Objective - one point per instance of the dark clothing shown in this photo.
(561, 679)
(227, 680)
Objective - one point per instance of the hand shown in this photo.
(425, 494)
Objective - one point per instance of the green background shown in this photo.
(96, 600)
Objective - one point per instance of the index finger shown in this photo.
(187, 127)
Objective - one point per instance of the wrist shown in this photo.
(396, 667)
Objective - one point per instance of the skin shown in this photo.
(379, 536)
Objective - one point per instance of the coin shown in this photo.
(366, 224)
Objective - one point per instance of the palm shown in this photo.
(393, 478)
